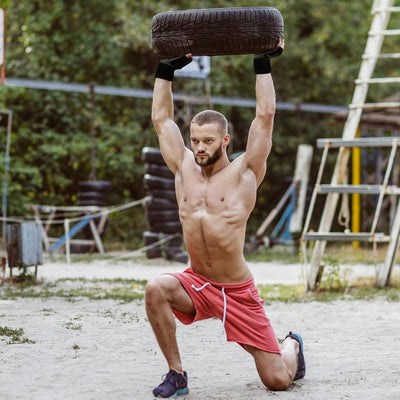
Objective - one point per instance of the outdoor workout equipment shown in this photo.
(291, 220)
(381, 11)
(216, 31)
(161, 208)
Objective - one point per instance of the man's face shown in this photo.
(207, 143)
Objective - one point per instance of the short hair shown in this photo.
(211, 117)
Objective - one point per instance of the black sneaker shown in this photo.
(174, 384)
(301, 364)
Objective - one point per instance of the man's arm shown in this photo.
(259, 141)
(162, 114)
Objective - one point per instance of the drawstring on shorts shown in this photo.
(225, 307)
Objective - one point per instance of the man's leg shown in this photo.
(162, 294)
(276, 370)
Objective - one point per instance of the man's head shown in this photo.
(209, 137)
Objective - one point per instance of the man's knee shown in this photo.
(154, 292)
(276, 381)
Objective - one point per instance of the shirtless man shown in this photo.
(215, 198)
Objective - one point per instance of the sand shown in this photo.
(105, 349)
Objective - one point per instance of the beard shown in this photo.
(209, 160)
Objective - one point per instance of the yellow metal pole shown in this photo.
(355, 199)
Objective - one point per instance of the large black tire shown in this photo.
(163, 194)
(161, 204)
(159, 170)
(152, 155)
(166, 227)
(158, 183)
(216, 31)
(162, 215)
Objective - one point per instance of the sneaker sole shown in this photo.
(179, 392)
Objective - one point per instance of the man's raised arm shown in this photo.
(260, 134)
(162, 113)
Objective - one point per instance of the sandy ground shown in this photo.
(105, 349)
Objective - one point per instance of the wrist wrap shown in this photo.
(165, 71)
(262, 65)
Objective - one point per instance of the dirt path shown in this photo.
(104, 349)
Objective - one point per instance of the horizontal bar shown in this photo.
(361, 142)
(148, 94)
(361, 189)
(388, 32)
(378, 80)
(381, 56)
(385, 9)
(392, 104)
(347, 237)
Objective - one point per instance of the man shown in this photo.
(215, 198)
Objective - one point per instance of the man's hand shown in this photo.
(262, 65)
(167, 66)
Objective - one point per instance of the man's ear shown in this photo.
(226, 140)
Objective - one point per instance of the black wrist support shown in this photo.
(165, 71)
(262, 65)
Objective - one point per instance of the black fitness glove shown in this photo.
(167, 67)
(262, 64)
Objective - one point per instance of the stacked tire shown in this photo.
(162, 208)
(91, 193)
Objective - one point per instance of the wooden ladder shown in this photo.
(381, 11)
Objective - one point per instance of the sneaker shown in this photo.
(174, 384)
(301, 364)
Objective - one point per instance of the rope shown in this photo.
(107, 211)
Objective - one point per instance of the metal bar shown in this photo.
(348, 237)
(384, 184)
(392, 104)
(148, 94)
(385, 271)
(377, 80)
(386, 32)
(361, 189)
(381, 56)
(361, 142)
(315, 191)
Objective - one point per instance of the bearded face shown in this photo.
(204, 159)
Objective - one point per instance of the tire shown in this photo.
(91, 196)
(161, 204)
(95, 186)
(166, 227)
(216, 31)
(163, 194)
(159, 170)
(162, 215)
(92, 202)
(149, 238)
(152, 155)
(155, 182)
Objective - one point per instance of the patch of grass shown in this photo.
(14, 335)
(125, 290)
(286, 254)
(297, 293)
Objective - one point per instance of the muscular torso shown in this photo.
(214, 211)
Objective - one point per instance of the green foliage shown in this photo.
(109, 43)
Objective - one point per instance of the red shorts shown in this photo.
(237, 305)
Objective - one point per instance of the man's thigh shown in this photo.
(177, 296)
